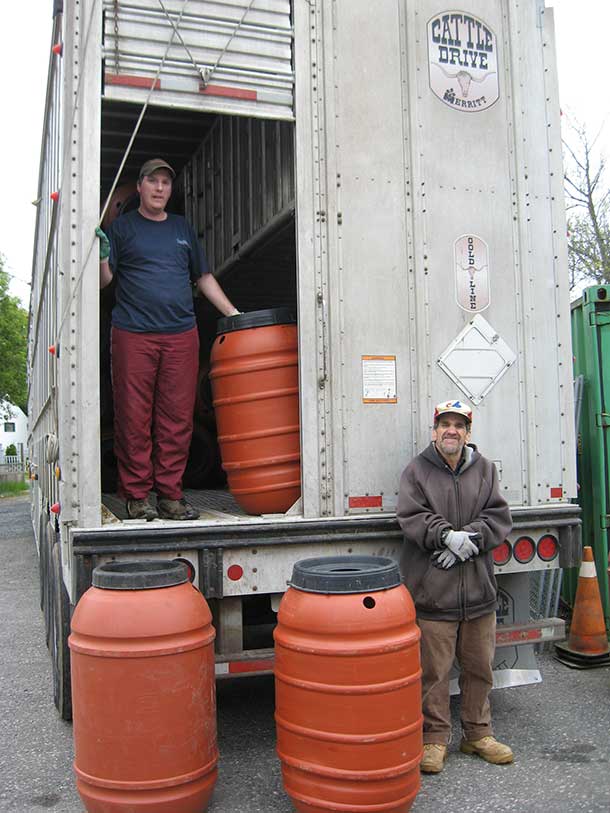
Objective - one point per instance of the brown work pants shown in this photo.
(473, 644)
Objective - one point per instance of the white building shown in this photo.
(13, 429)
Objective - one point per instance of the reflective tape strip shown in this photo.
(587, 571)
(185, 84)
(375, 501)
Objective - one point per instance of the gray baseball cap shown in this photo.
(150, 166)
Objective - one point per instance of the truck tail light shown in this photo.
(548, 548)
(502, 553)
(524, 549)
(235, 572)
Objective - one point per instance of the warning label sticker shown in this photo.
(379, 380)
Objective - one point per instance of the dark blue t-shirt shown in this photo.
(154, 263)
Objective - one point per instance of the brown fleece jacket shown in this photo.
(433, 497)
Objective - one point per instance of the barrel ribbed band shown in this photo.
(337, 649)
(368, 688)
(139, 647)
(349, 739)
(149, 784)
(343, 774)
(322, 804)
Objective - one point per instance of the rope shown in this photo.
(210, 72)
(141, 116)
(203, 72)
(206, 73)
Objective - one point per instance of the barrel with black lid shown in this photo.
(143, 691)
(348, 687)
(254, 376)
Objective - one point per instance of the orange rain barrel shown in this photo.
(348, 687)
(254, 375)
(143, 691)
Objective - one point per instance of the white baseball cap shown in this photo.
(453, 406)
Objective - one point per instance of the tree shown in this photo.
(588, 205)
(13, 345)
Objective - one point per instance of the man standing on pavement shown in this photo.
(155, 257)
(453, 516)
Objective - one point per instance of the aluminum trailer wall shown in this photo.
(399, 179)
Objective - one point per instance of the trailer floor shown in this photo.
(212, 503)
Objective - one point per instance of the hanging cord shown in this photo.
(203, 72)
(116, 37)
(210, 72)
(141, 116)
(206, 73)
(118, 174)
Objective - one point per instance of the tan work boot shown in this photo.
(489, 749)
(433, 758)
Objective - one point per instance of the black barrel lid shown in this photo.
(144, 574)
(345, 574)
(244, 321)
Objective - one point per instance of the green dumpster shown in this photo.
(591, 347)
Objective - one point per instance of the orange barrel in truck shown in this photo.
(143, 691)
(254, 375)
(348, 687)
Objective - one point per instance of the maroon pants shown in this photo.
(154, 378)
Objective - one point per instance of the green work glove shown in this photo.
(104, 244)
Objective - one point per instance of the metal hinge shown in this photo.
(602, 420)
(210, 572)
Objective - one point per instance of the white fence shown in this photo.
(10, 462)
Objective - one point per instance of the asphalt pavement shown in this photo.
(559, 729)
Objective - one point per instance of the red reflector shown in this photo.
(366, 502)
(190, 570)
(548, 547)
(517, 635)
(241, 667)
(131, 81)
(557, 492)
(235, 93)
(501, 554)
(524, 549)
(235, 572)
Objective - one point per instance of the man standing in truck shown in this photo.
(453, 516)
(155, 257)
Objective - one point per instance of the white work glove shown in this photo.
(444, 558)
(460, 543)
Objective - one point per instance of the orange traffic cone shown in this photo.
(587, 643)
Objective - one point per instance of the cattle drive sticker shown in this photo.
(463, 61)
(471, 257)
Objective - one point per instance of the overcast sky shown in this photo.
(582, 27)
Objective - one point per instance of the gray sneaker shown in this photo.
(141, 509)
(176, 509)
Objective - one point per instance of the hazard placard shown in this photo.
(379, 380)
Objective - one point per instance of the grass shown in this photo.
(10, 488)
